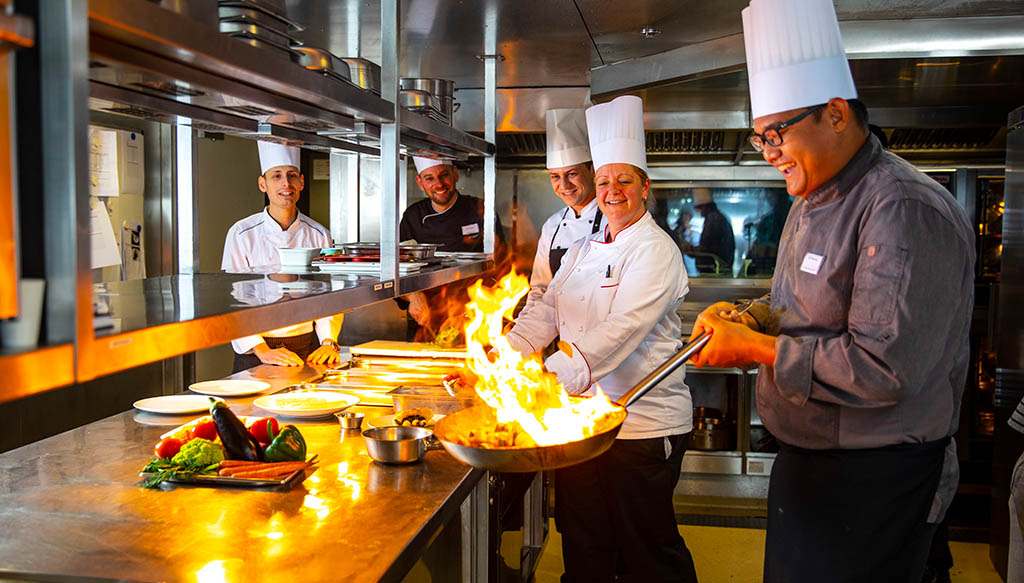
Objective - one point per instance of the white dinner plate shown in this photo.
(306, 403)
(389, 420)
(174, 404)
(229, 387)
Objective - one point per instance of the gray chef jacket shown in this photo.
(871, 302)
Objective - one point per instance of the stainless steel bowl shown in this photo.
(420, 251)
(350, 420)
(396, 445)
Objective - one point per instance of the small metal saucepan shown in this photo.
(398, 445)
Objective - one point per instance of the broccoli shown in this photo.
(198, 453)
(198, 456)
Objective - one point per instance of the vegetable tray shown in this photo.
(224, 481)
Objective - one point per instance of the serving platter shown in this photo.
(174, 404)
(229, 387)
(306, 403)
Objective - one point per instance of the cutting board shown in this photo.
(407, 349)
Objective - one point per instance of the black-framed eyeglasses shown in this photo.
(773, 135)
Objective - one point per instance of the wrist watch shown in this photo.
(332, 343)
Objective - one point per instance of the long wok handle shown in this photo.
(677, 360)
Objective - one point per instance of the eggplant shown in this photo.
(238, 443)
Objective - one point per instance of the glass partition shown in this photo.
(724, 232)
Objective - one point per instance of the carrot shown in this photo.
(238, 463)
(279, 467)
(269, 473)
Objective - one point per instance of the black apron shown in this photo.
(555, 255)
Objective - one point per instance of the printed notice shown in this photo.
(103, 163)
(102, 246)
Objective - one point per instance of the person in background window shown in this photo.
(253, 243)
(767, 231)
(685, 237)
(716, 237)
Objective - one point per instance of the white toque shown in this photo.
(273, 155)
(795, 55)
(424, 163)
(616, 131)
(567, 138)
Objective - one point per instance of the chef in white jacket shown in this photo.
(614, 301)
(572, 179)
(253, 243)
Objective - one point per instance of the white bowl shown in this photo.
(298, 255)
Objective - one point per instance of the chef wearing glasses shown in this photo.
(863, 343)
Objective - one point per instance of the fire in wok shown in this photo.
(526, 411)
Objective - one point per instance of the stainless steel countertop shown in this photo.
(71, 509)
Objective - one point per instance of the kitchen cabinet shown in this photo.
(133, 58)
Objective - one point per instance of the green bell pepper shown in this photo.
(287, 446)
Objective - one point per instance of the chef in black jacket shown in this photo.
(453, 220)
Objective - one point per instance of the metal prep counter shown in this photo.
(71, 510)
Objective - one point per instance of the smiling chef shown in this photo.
(614, 301)
(571, 172)
(253, 243)
(862, 343)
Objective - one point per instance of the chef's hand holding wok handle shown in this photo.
(733, 342)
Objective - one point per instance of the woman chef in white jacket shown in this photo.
(614, 300)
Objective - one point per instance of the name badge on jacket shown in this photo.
(812, 263)
(471, 229)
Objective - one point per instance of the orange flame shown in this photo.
(519, 389)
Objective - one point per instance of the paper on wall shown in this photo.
(102, 246)
(103, 179)
(130, 163)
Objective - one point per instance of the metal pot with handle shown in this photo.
(549, 457)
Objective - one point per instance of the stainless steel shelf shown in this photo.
(444, 135)
(426, 279)
(146, 50)
(34, 371)
(166, 316)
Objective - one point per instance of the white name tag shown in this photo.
(812, 263)
(472, 229)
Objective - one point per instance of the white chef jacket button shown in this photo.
(559, 292)
(563, 323)
(577, 270)
(581, 328)
(581, 298)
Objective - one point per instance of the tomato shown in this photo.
(205, 430)
(259, 429)
(167, 448)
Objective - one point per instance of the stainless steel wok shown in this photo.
(549, 457)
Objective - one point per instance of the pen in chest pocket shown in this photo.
(608, 272)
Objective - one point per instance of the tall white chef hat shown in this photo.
(795, 55)
(567, 138)
(616, 131)
(424, 163)
(273, 155)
